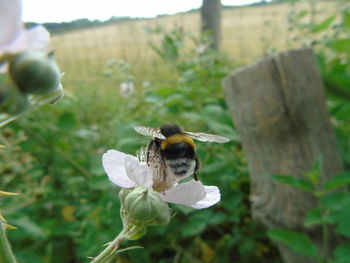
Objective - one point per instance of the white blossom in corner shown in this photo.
(14, 37)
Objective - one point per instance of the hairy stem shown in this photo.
(6, 254)
(105, 255)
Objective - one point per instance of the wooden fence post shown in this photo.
(278, 106)
(211, 21)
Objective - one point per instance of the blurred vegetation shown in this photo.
(67, 209)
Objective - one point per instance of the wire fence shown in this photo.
(248, 33)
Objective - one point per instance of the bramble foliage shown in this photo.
(68, 209)
(331, 213)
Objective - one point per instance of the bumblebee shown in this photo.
(172, 153)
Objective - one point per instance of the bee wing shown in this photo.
(206, 137)
(148, 131)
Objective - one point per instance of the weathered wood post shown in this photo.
(211, 21)
(278, 105)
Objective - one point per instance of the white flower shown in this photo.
(14, 38)
(126, 171)
(126, 89)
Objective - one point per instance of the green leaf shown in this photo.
(302, 14)
(296, 241)
(346, 18)
(336, 200)
(342, 253)
(165, 92)
(174, 99)
(193, 228)
(29, 226)
(344, 228)
(313, 175)
(313, 217)
(342, 219)
(337, 181)
(67, 121)
(217, 219)
(197, 223)
(341, 45)
(323, 25)
(299, 183)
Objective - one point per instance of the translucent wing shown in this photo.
(148, 131)
(206, 137)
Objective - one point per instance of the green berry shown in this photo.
(35, 72)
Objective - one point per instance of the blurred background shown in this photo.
(128, 69)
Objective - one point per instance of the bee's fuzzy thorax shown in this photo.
(177, 138)
(170, 129)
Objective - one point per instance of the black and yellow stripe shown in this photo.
(176, 139)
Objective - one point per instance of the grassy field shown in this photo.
(248, 33)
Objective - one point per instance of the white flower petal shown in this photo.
(187, 194)
(35, 38)
(114, 164)
(10, 20)
(138, 172)
(212, 196)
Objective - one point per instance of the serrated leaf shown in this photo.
(337, 181)
(299, 183)
(323, 25)
(296, 241)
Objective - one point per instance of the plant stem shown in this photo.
(112, 246)
(325, 234)
(6, 254)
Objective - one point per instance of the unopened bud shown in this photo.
(144, 206)
(12, 101)
(123, 194)
(35, 72)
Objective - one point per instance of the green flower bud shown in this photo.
(123, 194)
(144, 206)
(35, 72)
(12, 101)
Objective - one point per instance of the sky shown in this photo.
(41, 11)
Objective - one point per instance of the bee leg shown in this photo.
(164, 180)
(196, 168)
(164, 171)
